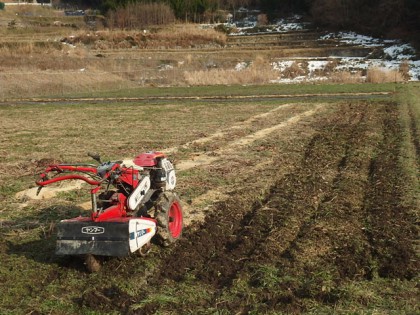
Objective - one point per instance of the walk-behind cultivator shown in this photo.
(133, 201)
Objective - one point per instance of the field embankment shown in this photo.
(44, 53)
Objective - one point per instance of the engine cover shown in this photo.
(148, 159)
(165, 179)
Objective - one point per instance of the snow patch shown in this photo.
(414, 71)
(317, 65)
(282, 65)
(387, 54)
(241, 66)
(400, 52)
(353, 38)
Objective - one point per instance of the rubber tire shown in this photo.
(167, 219)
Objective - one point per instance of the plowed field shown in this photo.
(332, 212)
(289, 208)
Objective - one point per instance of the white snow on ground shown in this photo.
(349, 63)
(389, 54)
(248, 26)
(353, 39)
(241, 66)
(393, 55)
(400, 52)
(282, 65)
(414, 71)
(314, 65)
(290, 24)
(283, 26)
(165, 67)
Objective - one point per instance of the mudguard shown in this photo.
(111, 238)
(138, 194)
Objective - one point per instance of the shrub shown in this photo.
(1, 6)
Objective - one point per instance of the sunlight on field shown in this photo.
(298, 198)
(317, 181)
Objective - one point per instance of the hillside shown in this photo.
(66, 60)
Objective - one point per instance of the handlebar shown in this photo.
(103, 172)
(66, 177)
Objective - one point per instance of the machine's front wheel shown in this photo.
(168, 214)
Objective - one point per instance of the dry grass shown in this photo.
(30, 10)
(259, 72)
(404, 70)
(346, 77)
(40, 83)
(382, 75)
(177, 36)
(296, 69)
(36, 20)
(33, 64)
(373, 75)
(190, 35)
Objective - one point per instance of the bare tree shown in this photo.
(140, 15)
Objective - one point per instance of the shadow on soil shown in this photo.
(40, 229)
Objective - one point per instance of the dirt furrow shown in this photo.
(301, 230)
(390, 222)
(233, 211)
(202, 158)
(229, 152)
(414, 132)
(223, 133)
(310, 226)
(225, 230)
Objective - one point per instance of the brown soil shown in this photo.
(292, 205)
(332, 213)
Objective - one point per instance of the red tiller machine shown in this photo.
(132, 202)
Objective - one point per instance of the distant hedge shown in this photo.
(1, 6)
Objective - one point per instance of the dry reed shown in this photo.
(405, 69)
(346, 77)
(382, 75)
(296, 69)
(259, 72)
(173, 37)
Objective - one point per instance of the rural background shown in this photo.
(293, 127)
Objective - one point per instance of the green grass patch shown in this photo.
(240, 90)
